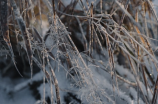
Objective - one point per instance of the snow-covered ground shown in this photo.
(24, 95)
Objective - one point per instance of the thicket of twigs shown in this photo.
(81, 37)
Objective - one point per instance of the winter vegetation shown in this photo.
(78, 52)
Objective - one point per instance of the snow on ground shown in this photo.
(24, 96)
(20, 97)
